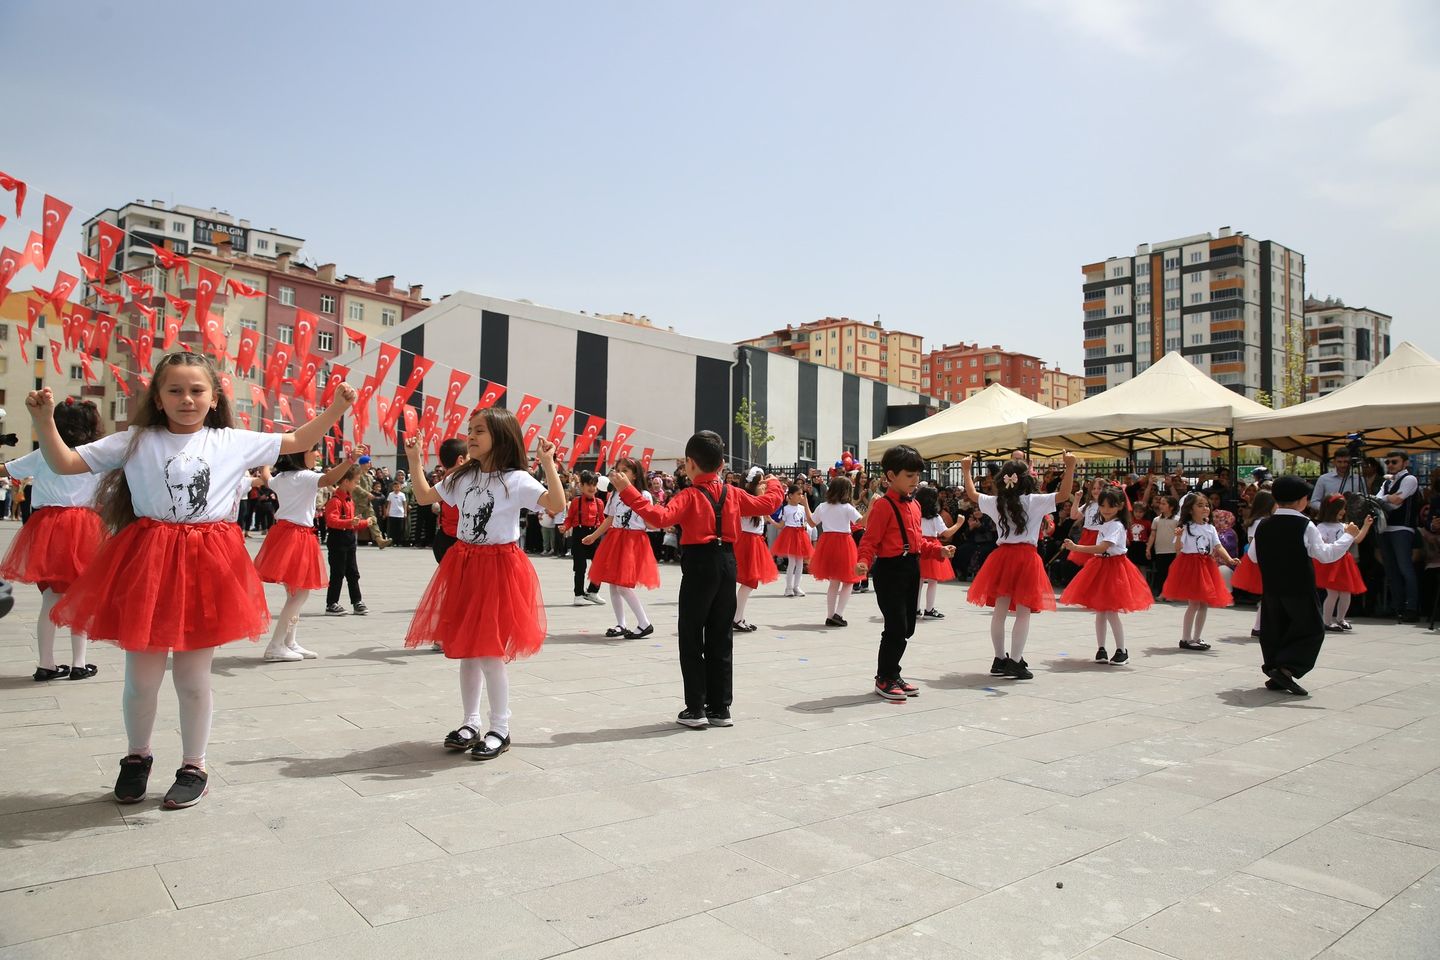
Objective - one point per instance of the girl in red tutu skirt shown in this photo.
(483, 605)
(175, 578)
(1247, 576)
(754, 564)
(793, 544)
(835, 553)
(1110, 584)
(625, 559)
(1340, 580)
(1195, 576)
(60, 538)
(291, 553)
(1013, 579)
(1087, 513)
(933, 571)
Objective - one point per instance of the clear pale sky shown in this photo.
(727, 168)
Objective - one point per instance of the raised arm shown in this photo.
(970, 493)
(335, 473)
(308, 434)
(554, 497)
(419, 483)
(61, 458)
(1067, 480)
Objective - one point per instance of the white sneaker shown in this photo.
(789, 593)
(436, 647)
(594, 598)
(282, 654)
(799, 592)
(578, 602)
(294, 647)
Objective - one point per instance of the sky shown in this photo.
(728, 168)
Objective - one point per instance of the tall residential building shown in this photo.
(866, 349)
(1342, 344)
(185, 230)
(1232, 305)
(958, 371)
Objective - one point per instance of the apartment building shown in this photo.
(1342, 344)
(865, 349)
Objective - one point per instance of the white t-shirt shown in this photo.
(933, 526)
(793, 516)
(1037, 506)
(1330, 532)
(1090, 515)
(1113, 532)
(490, 503)
(1164, 530)
(295, 489)
(1199, 538)
(752, 525)
(183, 477)
(50, 489)
(835, 517)
(396, 502)
(622, 517)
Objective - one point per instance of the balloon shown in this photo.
(839, 464)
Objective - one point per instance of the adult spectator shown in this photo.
(1401, 496)
(1339, 479)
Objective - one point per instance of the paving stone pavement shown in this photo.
(1168, 808)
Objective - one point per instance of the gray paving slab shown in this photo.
(1172, 808)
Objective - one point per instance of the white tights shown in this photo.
(190, 673)
(742, 596)
(836, 596)
(1194, 623)
(45, 635)
(794, 570)
(1112, 619)
(925, 600)
(497, 692)
(1018, 633)
(289, 619)
(1337, 604)
(620, 598)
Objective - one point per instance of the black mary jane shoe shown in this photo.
(1194, 645)
(50, 673)
(614, 632)
(83, 673)
(461, 739)
(640, 634)
(482, 750)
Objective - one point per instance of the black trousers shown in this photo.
(441, 543)
(707, 617)
(395, 529)
(580, 556)
(341, 550)
(1159, 570)
(897, 584)
(1291, 631)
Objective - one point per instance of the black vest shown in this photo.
(1406, 514)
(1285, 564)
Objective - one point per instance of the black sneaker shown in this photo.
(1017, 671)
(933, 614)
(890, 690)
(360, 609)
(910, 689)
(1121, 656)
(1101, 656)
(190, 785)
(719, 717)
(835, 620)
(134, 775)
(335, 610)
(693, 719)
(997, 666)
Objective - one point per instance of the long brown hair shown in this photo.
(507, 446)
(112, 497)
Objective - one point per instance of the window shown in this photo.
(1142, 289)
(1117, 311)
(807, 449)
(122, 407)
(327, 303)
(1196, 257)
(1232, 313)
(1172, 344)
(77, 372)
(1196, 339)
(1172, 283)
(177, 227)
(387, 319)
(1116, 349)
(1142, 328)
(1172, 263)
(249, 323)
(992, 359)
(287, 296)
(974, 378)
(1195, 297)
(1172, 303)
(4, 331)
(287, 333)
(246, 407)
(1117, 271)
(1095, 314)
(974, 361)
(1230, 356)
(355, 310)
(1142, 269)
(1117, 291)
(1142, 308)
(325, 340)
(1091, 353)
(1362, 344)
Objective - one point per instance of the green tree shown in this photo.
(749, 419)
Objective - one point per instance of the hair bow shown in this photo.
(1010, 479)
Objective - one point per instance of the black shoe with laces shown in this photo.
(191, 783)
(1121, 656)
(910, 689)
(1101, 656)
(1017, 671)
(997, 666)
(719, 716)
(134, 776)
(889, 690)
(693, 719)
(835, 620)
(360, 609)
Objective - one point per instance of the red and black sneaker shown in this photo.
(910, 689)
(890, 690)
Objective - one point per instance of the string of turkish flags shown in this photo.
(89, 332)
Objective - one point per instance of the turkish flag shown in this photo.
(383, 405)
(34, 251)
(338, 373)
(530, 433)
(491, 395)
(527, 407)
(557, 424)
(418, 370)
(362, 402)
(172, 261)
(285, 413)
(227, 383)
(387, 420)
(309, 411)
(329, 449)
(172, 332)
(458, 379)
(389, 353)
(355, 337)
(119, 376)
(214, 336)
(147, 312)
(603, 457)
(205, 291)
(244, 419)
(625, 451)
(412, 421)
(23, 335)
(56, 213)
(76, 324)
(242, 290)
(245, 358)
(645, 459)
(104, 329)
(582, 444)
(275, 368)
(143, 345)
(305, 381)
(257, 394)
(109, 240)
(429, 416)
(33, 309)
(64, 286)
(110, 297)
(91, 268)
(89, 370)
(181, 305)
(17, 187)
(55, 348)
(267, 424)
(138, 290)
(10, 263)
(617, 442)
(453, 420)
(306, 324)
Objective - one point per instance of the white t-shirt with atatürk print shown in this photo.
(490, 503)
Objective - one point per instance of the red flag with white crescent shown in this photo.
(356, 337)
(285, 414)
(243, 290)
(172, 333)
(214, 336)
(383, 405)
(56, 213)
(10, 263)
(306, 323)
(181, 305)
(586, 438)
(603, 457)
(245, 357)
(60, 293)
(645, 459)
(389, 353)
(309, 410)
(34, 252)
(138, 291)
(617, 442)
(389, 418)
(144, 343)
(119, 376)
(55, 348)
(205, 291)
(275, 368)
(172, 261)
(88, 369)
(338, 373)
(227, 383)
(419, 368)
(453, 420)
(110, 297)
(530, 434)
(267, 424)
(23, 335)
(458, 379)
(244, 419)
(33, 309)
(305, 379)
(527, 407)
(91, 268)
(491, 395)
(412, 421)
(104, 329)
(109, 240)
(329, 449)
(257, 395)
(429, 415)
(149, 313)
(557, 424)
(368, 386)
(17, 187)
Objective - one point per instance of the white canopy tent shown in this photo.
(992, 422)
(1395, 405)
(1171, 404)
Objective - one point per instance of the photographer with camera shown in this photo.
(1401, 500)
(1341, 478)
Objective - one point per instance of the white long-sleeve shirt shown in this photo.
(1315, 544)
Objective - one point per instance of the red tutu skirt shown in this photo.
(1195, 578)
(793, 542)
(1111, 583)
(835, 558)
(483, 601)
(158, 586)
(1013, 570)
(1088, 537)
(939, 570)
(1247, 576)
(1342, 575)
(626, 559)
(54, 547)
(291, 555)
(753, 563)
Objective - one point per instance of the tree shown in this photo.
(749, 419)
